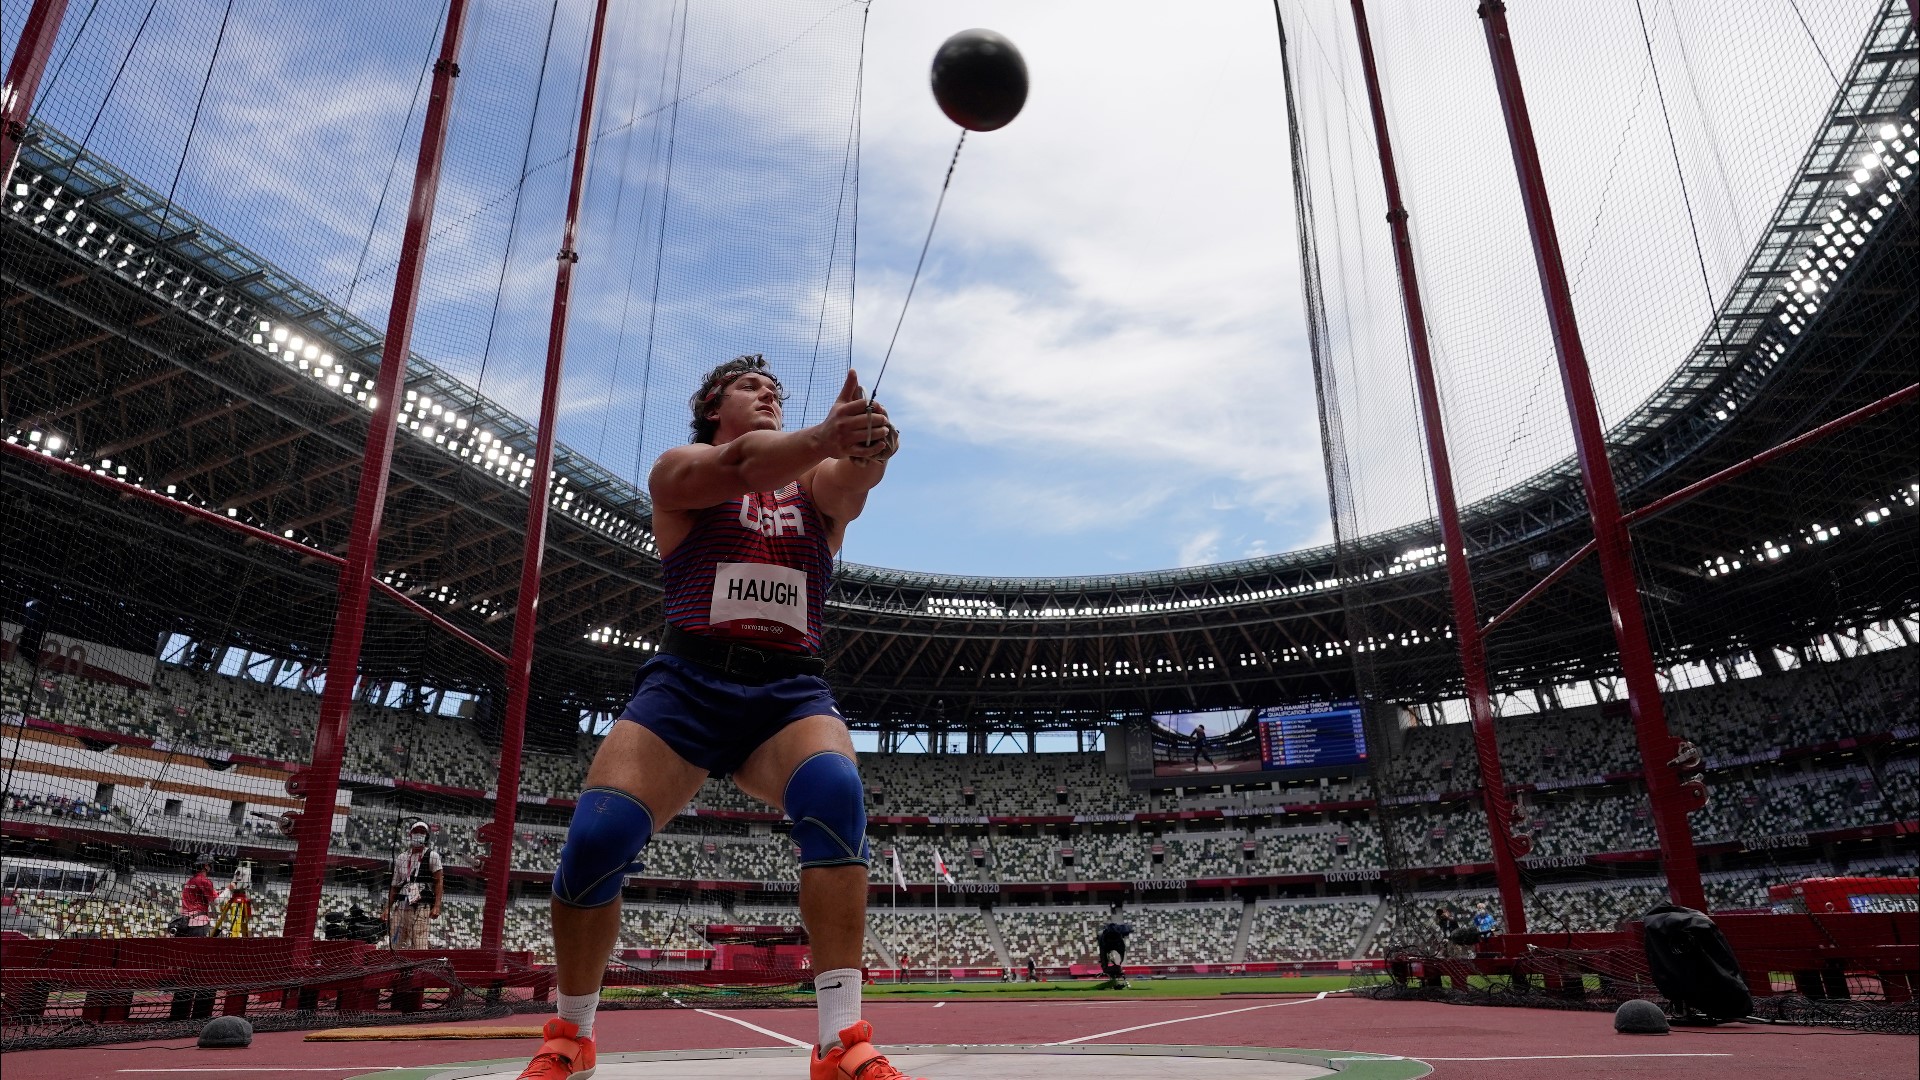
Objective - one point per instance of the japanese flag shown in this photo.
(940, 867)
(899, 875)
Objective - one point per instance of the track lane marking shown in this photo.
(769, 1033)
(1184, 1019)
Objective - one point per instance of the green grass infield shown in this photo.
(1223, 986)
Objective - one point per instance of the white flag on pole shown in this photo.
(899, 875)
(940, 867)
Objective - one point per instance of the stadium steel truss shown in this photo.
(189, 367)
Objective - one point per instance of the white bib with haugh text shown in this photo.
(760, 599)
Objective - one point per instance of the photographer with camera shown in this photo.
(413, 896)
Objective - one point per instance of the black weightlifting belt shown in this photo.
(740, 662)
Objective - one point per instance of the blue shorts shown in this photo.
(714, 722)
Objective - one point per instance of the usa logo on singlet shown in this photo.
(755, 569)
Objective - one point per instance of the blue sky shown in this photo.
(1104, 367)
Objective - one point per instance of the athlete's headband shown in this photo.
(756, 365)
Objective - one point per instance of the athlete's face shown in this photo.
(749, 403)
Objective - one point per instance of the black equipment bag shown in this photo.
(1693, 965)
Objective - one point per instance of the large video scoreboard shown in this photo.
(1311, 735)
(1302, 739)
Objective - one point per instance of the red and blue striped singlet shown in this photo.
(753, 569)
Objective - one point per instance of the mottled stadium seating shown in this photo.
(1755, 799)
(1308, 929)
(953, 937)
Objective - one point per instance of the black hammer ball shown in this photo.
(980, 80)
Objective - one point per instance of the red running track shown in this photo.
(1460, 1041)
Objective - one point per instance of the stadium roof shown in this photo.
(190, 366)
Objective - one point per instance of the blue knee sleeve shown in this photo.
(609, 830)
(829, 811)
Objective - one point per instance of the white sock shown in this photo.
(837, 999)
(578, 1009)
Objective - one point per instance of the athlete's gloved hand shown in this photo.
(883, 438)
(850, 430)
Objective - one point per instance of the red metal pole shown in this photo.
(1740, 468)
(322, 780)
(1466, 618)
(527, 608)
(30, 55)
(1540, 586)
(1612, 544)
(135, 491)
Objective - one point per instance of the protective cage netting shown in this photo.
(201, 241)
(1732, 189)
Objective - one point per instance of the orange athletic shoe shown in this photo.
(855, 1059)
(564, 1056)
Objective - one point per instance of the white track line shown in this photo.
(1561, 1057)
(1184, 1019)
(258, 1069)
(788, 1039)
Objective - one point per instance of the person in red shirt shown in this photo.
(197, 898)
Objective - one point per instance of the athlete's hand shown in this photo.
(883, 439)
(850, 430)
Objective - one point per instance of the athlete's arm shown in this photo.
(697, 476)
(839, 487)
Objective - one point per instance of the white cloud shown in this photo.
(1202, 548)
(1113, 281)
(1033, 504)
(1110, 318)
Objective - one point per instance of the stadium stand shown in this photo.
(1585, 803)
(955, 937)
(1052, 936)
(1308, 929)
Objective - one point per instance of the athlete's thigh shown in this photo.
(640, 763)
(765, 774)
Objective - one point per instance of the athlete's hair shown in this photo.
(716, 383)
